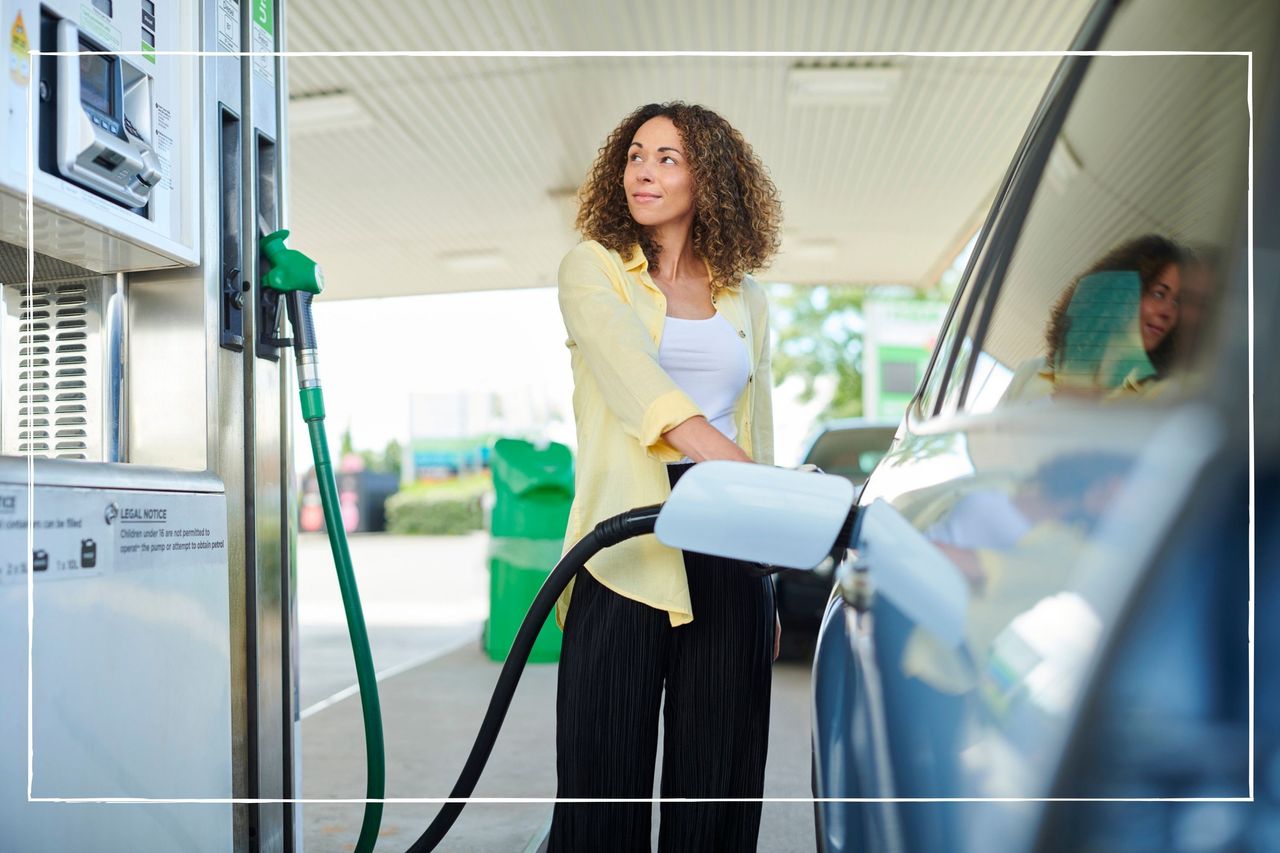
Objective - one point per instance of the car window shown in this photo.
(956, 345)
(933, 384)
(1110, 292)
(946, 358)
(964, 336)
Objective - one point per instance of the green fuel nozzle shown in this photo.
(298, 279)
(290, 269)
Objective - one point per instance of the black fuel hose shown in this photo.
(611, 531)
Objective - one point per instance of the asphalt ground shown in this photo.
(425, 599)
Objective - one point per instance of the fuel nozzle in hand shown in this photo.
(299, 278)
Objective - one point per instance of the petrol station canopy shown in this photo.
(460, 173)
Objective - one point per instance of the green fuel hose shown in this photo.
(298, 278)
(375, 789)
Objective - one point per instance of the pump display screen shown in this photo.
(96, 80)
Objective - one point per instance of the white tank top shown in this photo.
(709, 363)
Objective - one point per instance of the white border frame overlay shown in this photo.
(563, 54)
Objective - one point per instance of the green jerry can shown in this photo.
(533, 488)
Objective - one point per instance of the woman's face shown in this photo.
(657, 179)
(1158, 311)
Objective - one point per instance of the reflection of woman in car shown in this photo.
(669, 341)
(1114, 329)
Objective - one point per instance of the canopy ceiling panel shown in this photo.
(418, 174)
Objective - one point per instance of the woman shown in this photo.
(669, 341)
(1114, 330)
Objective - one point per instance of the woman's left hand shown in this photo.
(777, 636)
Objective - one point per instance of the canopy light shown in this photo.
(485, 260)
(326, 111)
(842, 84)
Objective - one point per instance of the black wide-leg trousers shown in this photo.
(617, 658)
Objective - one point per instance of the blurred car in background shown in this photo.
(362, 500)
(1046, 613)
(850, 448)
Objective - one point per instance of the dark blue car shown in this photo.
(1048, 611)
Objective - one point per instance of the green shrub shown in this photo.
(450, 513)
(464, 485)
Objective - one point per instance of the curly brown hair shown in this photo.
(736, 209)
(1147, 255)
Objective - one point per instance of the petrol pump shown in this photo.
(148, 628)
(147, 570)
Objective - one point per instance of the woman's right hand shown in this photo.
(700, 441)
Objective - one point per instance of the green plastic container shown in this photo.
(533, 489)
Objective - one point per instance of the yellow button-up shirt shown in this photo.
(623, 402)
